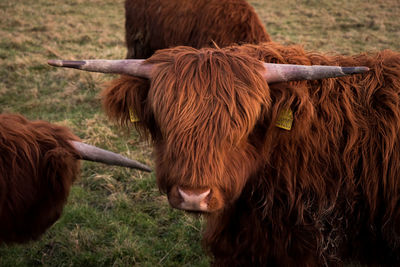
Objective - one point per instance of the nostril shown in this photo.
(196, 200)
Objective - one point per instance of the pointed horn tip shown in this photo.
(147, 169)
(355, 70)
(55, 62)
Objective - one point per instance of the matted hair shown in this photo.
(37, 168)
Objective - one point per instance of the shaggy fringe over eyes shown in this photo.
(205, 102)
(37, 167)
(218, 86)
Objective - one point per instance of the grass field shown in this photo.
(115, 216)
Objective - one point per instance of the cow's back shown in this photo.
(156, 24)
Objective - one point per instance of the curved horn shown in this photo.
(134, 67)
(288, 72)
(92, 153)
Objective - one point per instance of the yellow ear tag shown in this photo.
(285, 119)
(132, 115)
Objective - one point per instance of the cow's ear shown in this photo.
(291, 101)
(124, 100)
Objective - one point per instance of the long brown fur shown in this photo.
(157, 24)
(323, 193)
(37, 168)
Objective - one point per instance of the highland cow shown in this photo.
(38, 164)
(151, 25)
(322, 191)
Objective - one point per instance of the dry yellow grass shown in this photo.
(341, 26)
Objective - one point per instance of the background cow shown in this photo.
(320, 192)
(38, 164)
(156, 24)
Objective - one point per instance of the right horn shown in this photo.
(287, 72)
(92, 153)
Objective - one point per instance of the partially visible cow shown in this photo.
(38, 164)
(323, 191)
(151, 25)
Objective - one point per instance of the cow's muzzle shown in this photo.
(195, 200)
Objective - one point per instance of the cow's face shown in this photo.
(205, 106)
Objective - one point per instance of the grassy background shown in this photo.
(115, 216)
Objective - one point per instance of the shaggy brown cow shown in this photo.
(157, 24)
(322, 192)
(38, 164)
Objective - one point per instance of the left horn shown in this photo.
(92, 153)
(134, 67)
(287, 72)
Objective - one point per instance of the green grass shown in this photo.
(115, 216)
